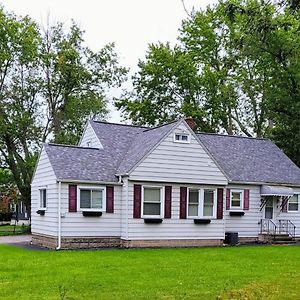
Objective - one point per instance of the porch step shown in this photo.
(280, 242)
(282, 237)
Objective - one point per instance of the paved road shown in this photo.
(15, 239)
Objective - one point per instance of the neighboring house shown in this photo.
(128, 186)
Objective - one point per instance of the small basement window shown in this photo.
(91, 199)
(181, 138)
(43, 198)
(294, 203)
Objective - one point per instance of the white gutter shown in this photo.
(59, 216)
(90, 181)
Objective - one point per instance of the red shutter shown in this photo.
(72, 198)
(246, 199)
(220, 204)
(137, 198)
(168, 201)
(183, 200)
(227, 199)
(284, 206)
(109, 199)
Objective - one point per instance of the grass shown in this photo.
(9, 229)
(266, 272)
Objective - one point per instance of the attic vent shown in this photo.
(181, 138)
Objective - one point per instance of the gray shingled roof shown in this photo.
(80, 163)
(251, 160)
(241, 159)
(141, 145)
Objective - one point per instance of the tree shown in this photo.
(50, 84)
(234, 68)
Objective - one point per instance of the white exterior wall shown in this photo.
(89, 138)
(293, 216)
(247, 225)
(44, 177)
(174, 228)
(179, 162)
(76, 225)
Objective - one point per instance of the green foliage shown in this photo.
(235, 69)
(263, 272)
(50, 84)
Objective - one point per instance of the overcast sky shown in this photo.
(131, 24)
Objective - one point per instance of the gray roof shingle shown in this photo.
(78, 163)
(251, 160)
(241, 159)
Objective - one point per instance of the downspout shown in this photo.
(59, 216)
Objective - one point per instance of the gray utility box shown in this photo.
(231, 238)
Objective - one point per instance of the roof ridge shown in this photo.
(233, 136)
(71, 146)
(160, 126)
(119, 124)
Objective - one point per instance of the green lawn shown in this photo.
(208, 273)
(9, 230)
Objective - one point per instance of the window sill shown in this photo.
(202, 221)
(152, 221)
(236, 213)
(90, 213)
(41, 212)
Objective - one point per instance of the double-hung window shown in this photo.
(43, 198)
(202, 203)
(152, 204)
(293, 203)
(236, 199)
(91, 198)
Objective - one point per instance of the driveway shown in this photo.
(15, 239)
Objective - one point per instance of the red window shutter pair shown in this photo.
(137, 201)
(246, 199)
(73, 198)
(183, 203)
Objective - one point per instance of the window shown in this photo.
(43, 198)
(202, 203)
(181, 138)
(236, 199)
(294, 203)
(91, 198)
(152, 201)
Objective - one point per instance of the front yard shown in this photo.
(263, 272)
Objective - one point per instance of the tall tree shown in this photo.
(232, 69)
(50, 84)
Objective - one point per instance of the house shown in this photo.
(129, 186)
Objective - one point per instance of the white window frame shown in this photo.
(162, 202)
(97, 188)
(182, 141)
(201, 203)
(40, 200)
(288, 204)
(241, 207)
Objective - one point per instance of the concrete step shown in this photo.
(291, 242)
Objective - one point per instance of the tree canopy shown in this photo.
(234, 69)
(50, 84)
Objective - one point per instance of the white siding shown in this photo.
(174, 228)
(44, 177)
(292, 216)
(76, 225)
(89, 138)
(247, 225)
(179, 162)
